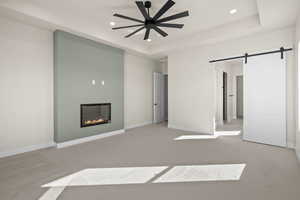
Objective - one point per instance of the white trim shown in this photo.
(220, 123)
(89, 139)
(188, 130)
(139, 125)
(290, 145)
(26, 149)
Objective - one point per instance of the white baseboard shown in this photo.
(88, 139)
(26, 149)
(186, 129)
(291, 145)
(139, 125)
(219, 123)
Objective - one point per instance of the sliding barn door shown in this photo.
(265, 100)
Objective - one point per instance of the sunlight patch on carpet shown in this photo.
(207, 137)
(196, 173)
(143, 175)
(108, 176)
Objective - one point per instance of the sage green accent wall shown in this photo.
(78, 61)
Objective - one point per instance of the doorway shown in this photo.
(227, 92)
(259, 106)
(239, 97)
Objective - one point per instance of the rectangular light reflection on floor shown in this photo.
(207, 137)
(108, 176)
(198, 173)
(142, 175)
(227, 133)
(196, 137)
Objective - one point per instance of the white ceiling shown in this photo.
(206, 21)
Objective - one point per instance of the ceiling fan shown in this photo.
(153, 22)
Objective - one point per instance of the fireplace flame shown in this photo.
(95, 121)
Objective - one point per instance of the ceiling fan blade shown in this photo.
(164, 34)
(138, 30)
(164, 9)
(121, 27)
(170, 25)
(173, 17)
(143, 10)
(129, 18)
(147, 33)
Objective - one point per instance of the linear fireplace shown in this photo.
(95, 114)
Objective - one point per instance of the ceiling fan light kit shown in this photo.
(152, 23)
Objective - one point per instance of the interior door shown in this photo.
(265, 100)
(158, 97)
(225, 102)
(166, 101)
(239, 97)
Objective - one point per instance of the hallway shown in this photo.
(234, 125)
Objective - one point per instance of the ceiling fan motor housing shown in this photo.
(151, 21)
(148, 4)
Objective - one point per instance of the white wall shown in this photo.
(26, 86)
(191, 91)
(164, 66)
(191, 79)
(139, 89)
(297, 72)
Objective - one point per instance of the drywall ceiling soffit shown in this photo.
(104, 38)
(209, 20)
(230, 31)
(92, 18)
(272, 15)
(278, 13)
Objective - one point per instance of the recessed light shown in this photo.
(112, 23)
(233, 11)
(149, 40)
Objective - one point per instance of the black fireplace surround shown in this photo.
(95, 114)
